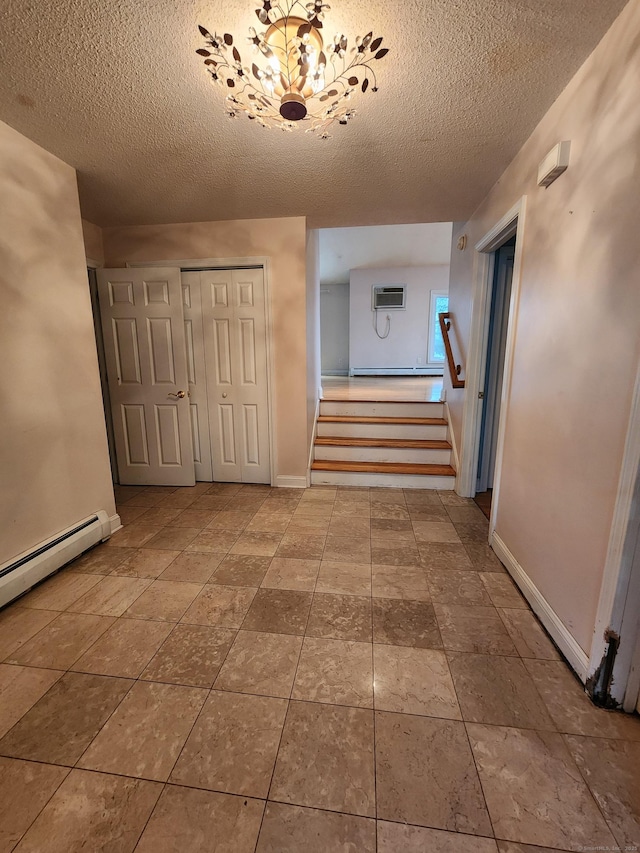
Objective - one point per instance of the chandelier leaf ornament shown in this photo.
(295, 79)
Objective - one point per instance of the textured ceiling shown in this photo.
(115, 89)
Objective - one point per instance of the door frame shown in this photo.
(196, 264)
(620, 590)
(512, 222)
(492, 389)
(94, 265)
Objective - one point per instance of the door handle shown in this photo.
(180, 395)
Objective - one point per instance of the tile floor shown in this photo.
(245, 669)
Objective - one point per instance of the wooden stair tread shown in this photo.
(424, 469)
(357, 419)
(417, 443)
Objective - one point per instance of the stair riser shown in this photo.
(393, 481)
(384, 454)
(381, 409)
(429, 431)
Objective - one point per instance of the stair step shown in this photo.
(355, 419)
(414, 443)
(379, 408)
(385, 468)
(329, 429)
(370, 479)
(349, 453)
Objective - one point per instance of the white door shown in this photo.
(143, 329)
(194, 338)
(235, 343)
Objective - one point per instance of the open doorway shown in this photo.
(381, 288)
(503, 260)
(497, 268)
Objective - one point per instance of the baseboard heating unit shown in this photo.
(395, 371)
(24, 571)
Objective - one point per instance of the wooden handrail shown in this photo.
(454, 369)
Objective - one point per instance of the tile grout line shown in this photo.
(277, 752)
(53, 793)
(473, 758)
(150, 815)
(585, 781)
(374, 715)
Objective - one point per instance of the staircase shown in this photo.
(374, 443)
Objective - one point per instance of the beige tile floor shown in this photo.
(350, 670)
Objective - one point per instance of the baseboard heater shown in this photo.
(396, 371)
(22, 572)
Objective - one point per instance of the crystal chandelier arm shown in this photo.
(359, 61)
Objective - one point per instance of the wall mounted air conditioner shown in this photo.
(387, 297)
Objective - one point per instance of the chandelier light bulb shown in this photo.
(295, 80)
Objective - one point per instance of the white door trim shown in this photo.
(618, 595)
(512, 222)
(229, 263)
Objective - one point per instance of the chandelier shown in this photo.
(296, 80)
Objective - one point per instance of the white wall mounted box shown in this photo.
(554, 164)
(389, 296)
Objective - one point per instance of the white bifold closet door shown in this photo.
(143, 329)
(235, 348)
(196, 370)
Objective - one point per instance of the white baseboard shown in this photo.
(115, 523)
(576, 656)
(284, 482)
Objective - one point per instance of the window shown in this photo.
(439, 305)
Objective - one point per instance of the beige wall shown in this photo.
(54, 463)
(93, 244)
(283, 241)
(578, 328)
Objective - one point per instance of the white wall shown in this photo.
(346, 249)
(407, 343)
(577, 329)
(54, 461)
(334, 325)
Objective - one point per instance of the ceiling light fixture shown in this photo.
(296, 78)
